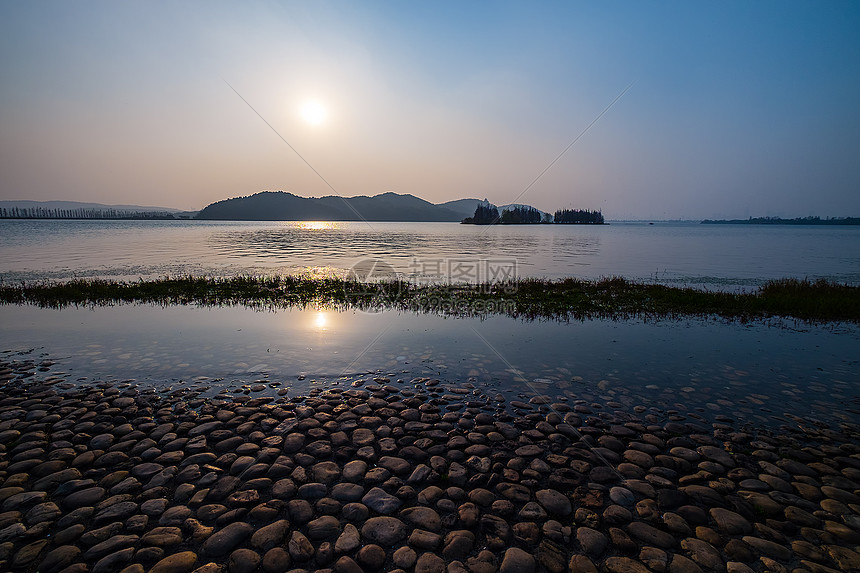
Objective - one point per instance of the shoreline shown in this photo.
(415, 475)
(530, 299)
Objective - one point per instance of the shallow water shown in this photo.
(726, 257)
(755, 373)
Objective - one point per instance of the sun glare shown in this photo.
(321, 320)
(316, 225)
(314, 112)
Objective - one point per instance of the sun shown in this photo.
(314, 112)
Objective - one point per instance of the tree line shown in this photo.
(780, 221)
(486, 214)
(578, 217)
(80, 213)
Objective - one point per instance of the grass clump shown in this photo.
(527, 298)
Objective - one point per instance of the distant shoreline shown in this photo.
(159, 217)
(780, 221)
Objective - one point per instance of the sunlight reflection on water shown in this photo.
(722, 257)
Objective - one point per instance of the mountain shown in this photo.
(72, 205)
(465, 207)
(282, 206)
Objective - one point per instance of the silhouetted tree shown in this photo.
(520, 216)
(578, 217)
(485, 214)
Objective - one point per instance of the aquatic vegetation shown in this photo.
(565, 299)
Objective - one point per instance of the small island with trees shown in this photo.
(488, 214)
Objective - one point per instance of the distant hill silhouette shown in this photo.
(282, 206)
(465, 207)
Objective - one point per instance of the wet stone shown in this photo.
(112, 562)
(429, 563)
(653, 558)
(300, 547)
(458, 544)
(621, 541)
(729, 522)
(529, 450)
(323, 528)
(846, 559)
(174, 516)
(717, 455)
(243, 561)
(552, 556)
(84, 498)
(181, 562)
(422, 517)
(516, 560)
(592, 542)
(615, 515)
(397, 466)
(347, 492)
(581, 564)
(349, 539)
(702, 553)
(532, 511)
(47, 511)
(163, 536)
(110, 545)
(29, 553)
(371, 557)
(380, 501)
(270, 535)
(300, 511)
(275, 560)
(353, 471)
(554, 502)
(516, 493)
(766, 547)
(624, 565)
(383, 530)
(651, 535)
(225, 540)
(59, 558)
(622, 496)
(682, 564)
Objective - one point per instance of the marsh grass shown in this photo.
(564, 299)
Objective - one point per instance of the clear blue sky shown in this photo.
(736, 108)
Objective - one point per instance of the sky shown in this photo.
(673, 109)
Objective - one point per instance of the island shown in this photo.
(488, 214)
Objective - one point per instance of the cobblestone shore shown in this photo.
(415, 475)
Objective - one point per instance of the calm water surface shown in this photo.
(711, 256)
(758, 373)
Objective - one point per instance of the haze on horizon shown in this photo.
(737, 109)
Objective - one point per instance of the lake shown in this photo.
(720, 257)
(762, 373)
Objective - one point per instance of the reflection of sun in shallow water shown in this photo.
(321, 320)
(316, 225)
